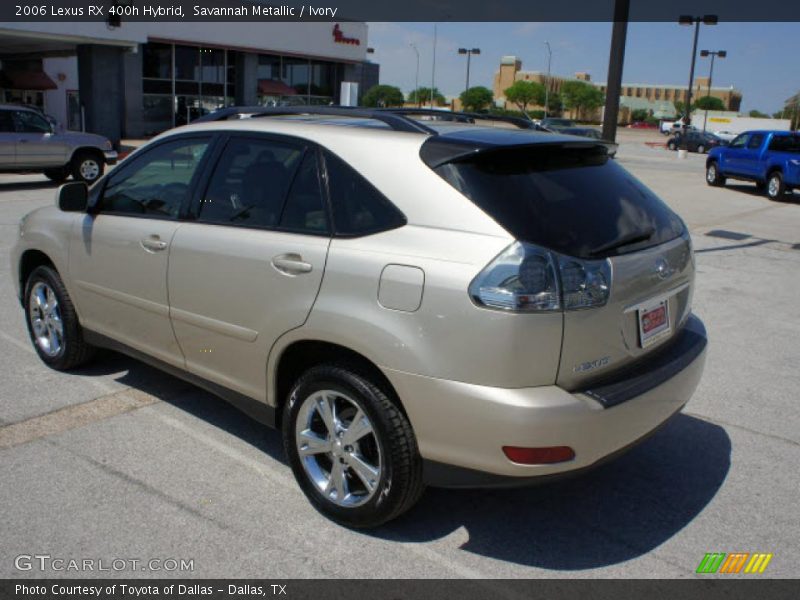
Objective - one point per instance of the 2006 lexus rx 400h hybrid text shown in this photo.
(413, 299)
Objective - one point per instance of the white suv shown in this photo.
(412, 300)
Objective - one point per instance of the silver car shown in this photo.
(29, 142)
(412, 302)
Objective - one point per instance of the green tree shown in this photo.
(757, 114)
(710, 103)
(555, 103)
(383, 95)
(680, 108)
(639, 114)
(523, 93)
(582, 97)
(476, 99)
(422, 95)
(779, 115)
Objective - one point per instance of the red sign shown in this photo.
(340, 38)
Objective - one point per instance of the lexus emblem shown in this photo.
(662, 269)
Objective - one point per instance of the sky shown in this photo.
(763, 59)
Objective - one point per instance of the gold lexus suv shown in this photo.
(412, 297)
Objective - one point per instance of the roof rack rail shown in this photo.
(463, 117)
(397, 122)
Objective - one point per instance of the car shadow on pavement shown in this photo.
(613, 514)
(617, 512)
(21, 186)
(748, 188)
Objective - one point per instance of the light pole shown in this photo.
(433, 65)
(690, 20)
(547, 81)
(713, 54)
(469, 52)
(416, 76)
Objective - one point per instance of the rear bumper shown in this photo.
(461, 428)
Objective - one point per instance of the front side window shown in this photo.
(739, 141)
(30, 122)
(358, 208)
(250, 183)
(755, 141)
(157, 183)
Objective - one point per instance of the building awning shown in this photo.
(274, 87)
(26, 80)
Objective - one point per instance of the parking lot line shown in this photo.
(72, 417)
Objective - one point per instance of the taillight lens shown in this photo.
(523, 278)
(584, 283)
(527, 278)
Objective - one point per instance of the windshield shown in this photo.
(573, 200)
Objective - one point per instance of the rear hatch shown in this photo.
(573, 200)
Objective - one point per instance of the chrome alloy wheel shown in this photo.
(773, 186)
(711, 173)
(89, 169)
(338, 448)
(45, 316)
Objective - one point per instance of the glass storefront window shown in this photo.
(297, 74)
(156, 113)
(212, 62)
(187, 60)
(157, 61)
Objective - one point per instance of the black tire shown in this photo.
(712, 175)
(672, 146)
(74, 351)
(775, 186)
(87, 166)
(58, 175)
(701, 149)
(399, 483)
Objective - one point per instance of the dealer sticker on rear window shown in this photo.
(653, 323)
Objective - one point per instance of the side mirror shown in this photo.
(73, 197)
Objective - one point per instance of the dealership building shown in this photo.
(140, 78)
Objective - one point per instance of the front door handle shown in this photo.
(153, 244)
(291, 264)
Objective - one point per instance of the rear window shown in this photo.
(785, 143)
(575, 201)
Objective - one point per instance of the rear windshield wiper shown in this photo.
(626, 240)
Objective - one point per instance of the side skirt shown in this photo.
(253, 408)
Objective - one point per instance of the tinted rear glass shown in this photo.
(785, 143)
(572, 200)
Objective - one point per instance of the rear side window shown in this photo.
(250, 182)
(305, 210)
(575, 201)
(785, 143)
(6, 122)
(358, 208)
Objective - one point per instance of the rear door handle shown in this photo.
(291, 264)
(153, 244)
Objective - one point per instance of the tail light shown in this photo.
(527, 278)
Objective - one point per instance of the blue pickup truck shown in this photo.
(769, 158)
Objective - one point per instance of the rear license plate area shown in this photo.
(654, 323)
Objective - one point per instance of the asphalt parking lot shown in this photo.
(119, 461)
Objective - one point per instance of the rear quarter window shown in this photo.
(575, 201)
(358, 208)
